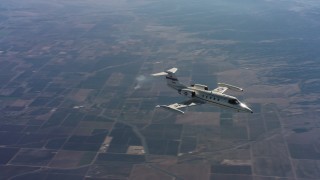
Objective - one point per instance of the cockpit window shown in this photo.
(233, 101)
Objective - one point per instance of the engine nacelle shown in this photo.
(200, 87)
(188, 93)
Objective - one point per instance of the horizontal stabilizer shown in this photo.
(160, 74)
(231, 87)
(171, 109)
(169, 71)
(172, 70)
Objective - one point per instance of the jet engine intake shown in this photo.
(188, 93)
(200, 86)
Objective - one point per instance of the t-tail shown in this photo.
(172, 80)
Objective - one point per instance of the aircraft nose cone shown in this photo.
(246, 108)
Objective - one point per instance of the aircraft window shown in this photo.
(233, 101)
(206, 88)
(206, 97)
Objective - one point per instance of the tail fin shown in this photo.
(172, 80)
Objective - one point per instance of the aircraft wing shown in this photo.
(220, 89)
(177, 106)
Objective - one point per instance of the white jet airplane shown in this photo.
(200, 94)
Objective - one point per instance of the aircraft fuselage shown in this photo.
(215, 98)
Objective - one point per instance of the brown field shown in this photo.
(66, 159)
(144, 172)
(80, 95)
(200, 118)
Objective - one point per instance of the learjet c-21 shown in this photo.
(200, 94)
